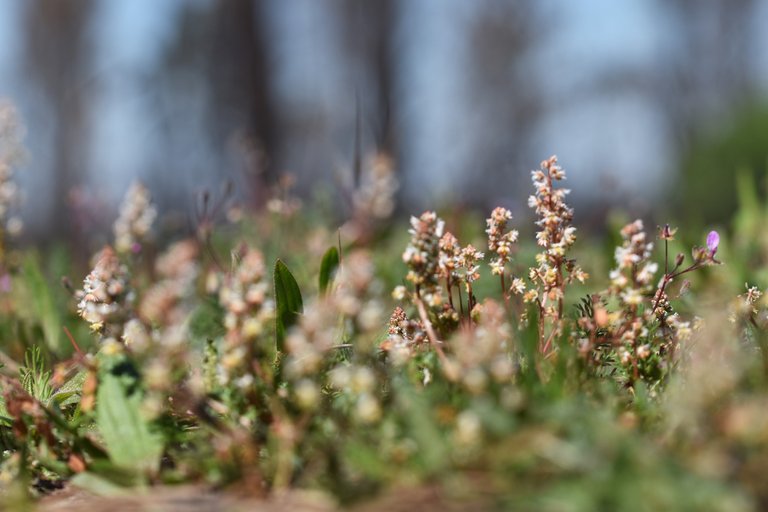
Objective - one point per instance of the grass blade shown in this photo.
(327, 268)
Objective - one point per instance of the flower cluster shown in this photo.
(283, 201)
(644, 334)
(554, 269)
(627, 334)
(176, 269)
(314, 344)
(404, 336)
(319, 330)
(106, 298)
(632, 278)
(423, 256)
(449, 254)
(243, 293)
(372, 198)
(375, 197)
(499, 239)
(468, 261)
(750, 308)
(483, 355)
(135, 220)
(317, 333)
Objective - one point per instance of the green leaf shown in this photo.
(69, 392)
(287, 302)
(42, 304)
(129, 441)
(327, 268)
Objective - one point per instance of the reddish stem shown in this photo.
(73, 342)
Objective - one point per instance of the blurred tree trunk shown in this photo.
(240, 99)
(368, 39)
(55, 60)
(371, 25)
(505, 100)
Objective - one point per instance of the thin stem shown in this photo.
(669, 277)
(660, 291)
(541, 324)
(561, 284)
(470, 301)
(430, 330)
(548, 343)
(635, 371)
(73, 342)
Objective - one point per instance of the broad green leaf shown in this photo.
(328, 267)
(287, 302)
(129, 441)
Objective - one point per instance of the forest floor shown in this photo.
(200, 499)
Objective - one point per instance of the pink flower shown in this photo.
(713, 240)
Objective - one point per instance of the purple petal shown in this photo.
(713, 240)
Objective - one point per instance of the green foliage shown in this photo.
(328, 266)
(35, 379)
(206, 322)
(715, 157)
(128, 437)
(43, 309)
(288, 302)
(69, 392)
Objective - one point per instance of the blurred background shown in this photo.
(651, 105)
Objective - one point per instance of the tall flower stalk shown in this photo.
(137, 214)
(554, 270)
(500, 243)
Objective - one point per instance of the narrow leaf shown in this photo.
(41, 303)
(327, 268)
(287, 302)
